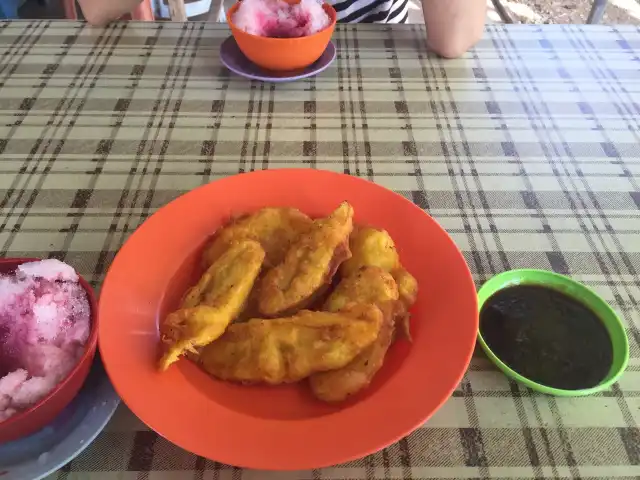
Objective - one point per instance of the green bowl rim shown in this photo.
(613, 377)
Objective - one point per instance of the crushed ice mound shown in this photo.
(44, 325)
(279, 19)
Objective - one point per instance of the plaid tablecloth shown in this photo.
(527, 151)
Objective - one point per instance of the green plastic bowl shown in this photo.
(577, 291)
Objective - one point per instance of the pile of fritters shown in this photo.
(285, 297)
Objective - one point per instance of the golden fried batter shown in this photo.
(275, 228)
(369, 285)
(408, 291)
(370, 247)
(407, 286)
(337, 385)
(286, 350)
(308, 266)
(375, 247)
(210, 305)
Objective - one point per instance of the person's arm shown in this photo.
(101, 12)
(453, 26)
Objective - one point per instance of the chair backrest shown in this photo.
(9, 9)
(179, 11)
(221, 15)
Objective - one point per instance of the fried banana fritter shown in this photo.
(369, 285)
(308, 266)
(210, 305)
(285, 350)
(408, 293)
(370, 247)
(275, 228)
(338, 385)
(407, 286)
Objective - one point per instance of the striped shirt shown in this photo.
(371, 11)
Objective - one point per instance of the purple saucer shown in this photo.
(234, 60)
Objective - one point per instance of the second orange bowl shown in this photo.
(43, 412)
(282, 54)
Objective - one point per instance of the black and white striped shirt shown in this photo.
(371, 11)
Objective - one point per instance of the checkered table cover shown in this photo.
(527, 151)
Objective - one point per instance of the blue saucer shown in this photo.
(234, 60)
(36, 456)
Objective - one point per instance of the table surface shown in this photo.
(527, 151)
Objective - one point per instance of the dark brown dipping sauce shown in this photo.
(547, 337)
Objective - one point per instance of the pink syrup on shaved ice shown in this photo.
(44, 325)
(279, 19)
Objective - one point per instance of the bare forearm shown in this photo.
(453, 26)
(101, 12)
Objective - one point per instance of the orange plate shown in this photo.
(283, 428)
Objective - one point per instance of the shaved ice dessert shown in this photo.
(44, 325)
(279, 19)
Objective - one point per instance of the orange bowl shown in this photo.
(283, 427)
(42, 413)
(282, 54)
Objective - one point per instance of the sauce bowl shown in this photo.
(581, 294)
